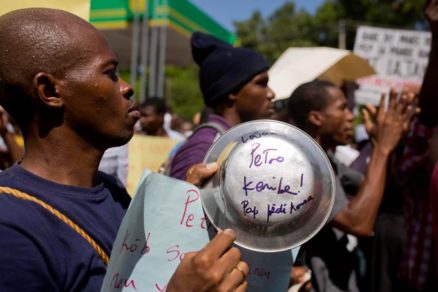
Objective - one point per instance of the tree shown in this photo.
(183, 94)
(288, 27)
(406, 14)
(251, 32)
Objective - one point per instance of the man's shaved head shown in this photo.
(36, 40)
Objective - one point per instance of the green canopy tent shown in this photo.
(165, 40)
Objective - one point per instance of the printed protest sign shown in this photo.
(399, 57)
(394, 53)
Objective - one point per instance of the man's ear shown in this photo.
(232, 96)
(316, 118)
(46, 89)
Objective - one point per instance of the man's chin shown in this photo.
(120, 140)
(343, 141)
(347, 140)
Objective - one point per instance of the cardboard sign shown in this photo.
(146, 152)
(165, 221)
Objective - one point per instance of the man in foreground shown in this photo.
(58, 215)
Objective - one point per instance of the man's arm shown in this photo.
(418, 150)
(428, 99)
(359, 216)
(22, 265)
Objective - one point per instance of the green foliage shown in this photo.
(326, 21)
(387, 13)
(251, 32)
(183, 94)
(287, 27)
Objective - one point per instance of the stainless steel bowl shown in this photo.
(275, 186)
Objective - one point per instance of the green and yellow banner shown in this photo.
(78, 7)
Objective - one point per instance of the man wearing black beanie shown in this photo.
(234, 83)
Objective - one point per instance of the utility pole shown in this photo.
(153, 55)
(134, 44)
(162, 60)
(144, 51)
(342, 35)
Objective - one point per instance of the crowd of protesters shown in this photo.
(66, 118)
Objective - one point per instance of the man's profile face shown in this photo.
(337, 127)
(150, 120)
(254, 99)
(97, 105)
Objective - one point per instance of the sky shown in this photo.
(227, 11)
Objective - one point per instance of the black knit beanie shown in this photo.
(223, 68)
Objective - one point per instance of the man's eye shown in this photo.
(112, 74)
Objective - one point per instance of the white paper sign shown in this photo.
(399, 57)
(165, 221)
(394, 53)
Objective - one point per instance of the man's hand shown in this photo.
(4, 120)
(217, 267)
(393, 122)
(400, 111)
(198, 173)
(300, 279)
(369, 113)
